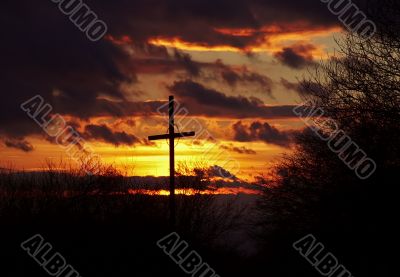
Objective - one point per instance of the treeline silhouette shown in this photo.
(311, 190)
(106, 225)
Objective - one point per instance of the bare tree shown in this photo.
(311, 190)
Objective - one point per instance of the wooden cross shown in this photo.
(171, 137)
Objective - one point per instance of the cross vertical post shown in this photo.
(171, 139)
(172, 160)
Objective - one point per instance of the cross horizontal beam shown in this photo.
(175, 135)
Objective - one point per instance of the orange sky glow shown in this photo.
(254, 157)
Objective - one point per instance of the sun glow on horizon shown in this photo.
(192, 192)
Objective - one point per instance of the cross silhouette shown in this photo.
(171, 137)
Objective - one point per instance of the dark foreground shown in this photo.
(117, 236)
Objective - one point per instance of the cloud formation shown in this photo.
(204, 101)
(104, 133)
(303, 88)
(242, 75)
(218, 171)
(297, 56)
(46, 54)
(258, 131)
(22, 145)
(239, 24)
(296, 87)
(237, 149)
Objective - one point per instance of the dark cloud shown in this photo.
(234, 76)
(44, 53)
(303, 88)
(218, 171)
(164, 64)
(258, 131)
(186, 60)
(240, 150)
(103, 133)
(169, 19)
(310, 88)
(290, 85)
(297, 56)
(209, 102)
(22, 145)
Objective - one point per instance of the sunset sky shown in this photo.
(234, 65)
